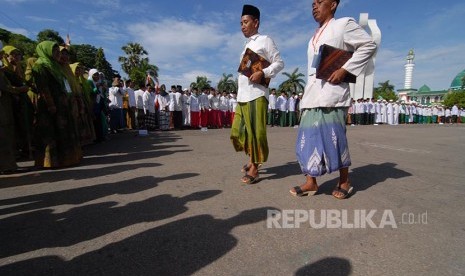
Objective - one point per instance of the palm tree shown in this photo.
(135, 57)
(227, 84)
(294, 83)
(201, 83)
(385, 90)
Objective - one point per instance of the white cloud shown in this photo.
(178, 42)
(435, 67)
(41, 19)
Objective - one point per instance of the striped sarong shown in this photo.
(164, 120)
(248, 130)
(150, 122)
(321, 145)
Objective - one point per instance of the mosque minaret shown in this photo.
(409, 70)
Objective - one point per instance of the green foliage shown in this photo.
(24, 44)
(85, 54)
(139, 74)
(5, 35)
(50, 35)
(455, 97)
(294, 83)
(201, 83)
(103, 65)
(385, 90)
(227, 84)
(136, 57)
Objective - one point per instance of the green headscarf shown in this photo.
(46, 61)
(8, 50)
(86, 88)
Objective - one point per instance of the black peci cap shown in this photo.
(251, 10)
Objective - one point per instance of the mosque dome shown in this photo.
(424, 89)
(457, 81)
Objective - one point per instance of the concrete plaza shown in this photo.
(171, 203)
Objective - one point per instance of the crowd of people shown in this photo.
(154, 108)
(375, 112)
(52, 109)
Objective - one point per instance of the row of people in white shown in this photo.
(389, 112)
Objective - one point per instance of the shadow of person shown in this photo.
(44, 229)
(84, 194)
(62, 175)
(362, 178)
(279, 172)
(181, 247)
(332, 266)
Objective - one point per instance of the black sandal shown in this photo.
(250, 179)
(300, 192)
(346, 193)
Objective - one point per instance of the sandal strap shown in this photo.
(298, 190)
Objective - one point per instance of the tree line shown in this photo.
(135, 63)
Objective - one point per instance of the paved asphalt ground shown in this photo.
(171, 203)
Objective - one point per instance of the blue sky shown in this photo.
(187, 38)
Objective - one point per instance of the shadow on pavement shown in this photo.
(362, 178)
(332, 266)
(43, 228)
(181, 247)
(123, 148)
(279, 172)
(53, 176)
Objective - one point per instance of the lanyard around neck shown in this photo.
(318, 34)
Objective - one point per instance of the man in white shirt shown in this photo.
(272, 107)
(248, 131)
(194, 104)
(186, 112)
(291, 108)
(281, 106)
(390, 112)
(115, 95)
(224, 109)
(140, 115)
(149, 107)
(434, 113)
(322, 145)
(454, 113)
(232, 106)
(371, 111)
(378, 119)
(395, 108)
(177, 114)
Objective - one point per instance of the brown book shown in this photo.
(252, 62)
(331, 59)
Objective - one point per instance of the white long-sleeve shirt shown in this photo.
(272, 102)
(281, 103)
(177, 101)
(232, 104)
(131, 96)
(204, 101)
(138, 94)
(346, 34)
(115, 94)
(149, 102)
(291, 104)
(194, 102)
(264, 46)
(224, 103)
